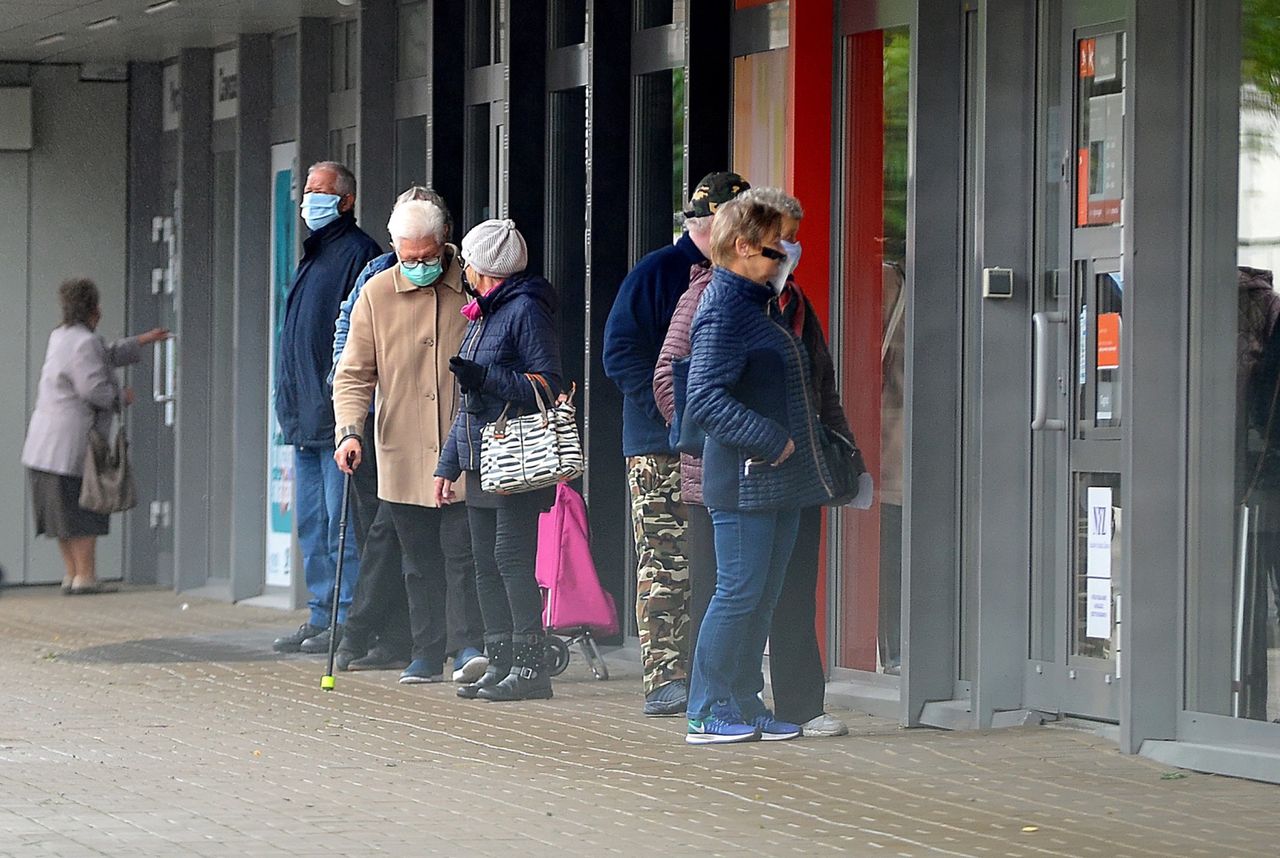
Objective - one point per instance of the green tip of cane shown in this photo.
(326, 683)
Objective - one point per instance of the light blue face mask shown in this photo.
(319, 210)
(422, 273)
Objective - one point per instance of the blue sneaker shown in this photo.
(670, 699)
(773, 730)
(470, 665)
(723, 726)
(419, 672)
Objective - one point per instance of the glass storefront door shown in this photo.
(1077, 574)
(873, 341)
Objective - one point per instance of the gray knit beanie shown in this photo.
(496, 248)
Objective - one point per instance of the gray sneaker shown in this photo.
(669, 699)
(824, 725)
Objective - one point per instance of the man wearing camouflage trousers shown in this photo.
(633, 336)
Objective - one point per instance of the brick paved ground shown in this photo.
(129, 726)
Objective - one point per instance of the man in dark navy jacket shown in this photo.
(632, 339)
(332, 257)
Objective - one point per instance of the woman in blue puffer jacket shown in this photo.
(748, 389)
(512, 335)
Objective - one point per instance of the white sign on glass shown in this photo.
(1099, 544)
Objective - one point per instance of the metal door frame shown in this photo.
(1059, 681)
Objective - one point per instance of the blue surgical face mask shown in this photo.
(422, 273)
(319, 210)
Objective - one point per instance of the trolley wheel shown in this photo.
(557, 658)
(595, 661)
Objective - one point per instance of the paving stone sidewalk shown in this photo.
(142, 724)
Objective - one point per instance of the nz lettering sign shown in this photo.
(226, 88)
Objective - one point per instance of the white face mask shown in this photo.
(778, 281)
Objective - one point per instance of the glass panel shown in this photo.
(656, 13)
(679, 181)
(411, 152)
(338, 57)
(413, 51)
(284, 70)
(760, 117)
(1053, 278)
(476, 192)
(352, 32)
(1100, 130)
(874, 342)
(479, 30)
(568, 22)
(1255, 669)
(1095, 565)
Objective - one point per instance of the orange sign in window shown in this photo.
(1108, 341)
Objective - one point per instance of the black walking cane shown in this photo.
(326, 681)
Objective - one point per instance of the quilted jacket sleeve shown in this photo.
(538, 344)
(719, 360)
(677, 343)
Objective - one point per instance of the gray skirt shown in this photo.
(56, 499)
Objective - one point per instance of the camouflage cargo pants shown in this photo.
(662, 574)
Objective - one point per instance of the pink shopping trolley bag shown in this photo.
(566, 571)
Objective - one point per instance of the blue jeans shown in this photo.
(317, 492)
(752, 551)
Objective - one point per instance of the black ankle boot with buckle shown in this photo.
(498, 650)
(529, 678)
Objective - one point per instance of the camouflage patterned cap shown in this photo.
(714, 189)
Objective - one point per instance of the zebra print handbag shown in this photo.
(533, 451)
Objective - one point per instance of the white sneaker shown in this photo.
(824, 725)
(471, 669)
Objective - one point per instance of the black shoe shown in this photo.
(499, 652)
(293, 642)
(529, 678)
(319, 643)
(343, 657)
(380, 658)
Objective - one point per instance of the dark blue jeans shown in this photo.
(317, 494)
(752, 551)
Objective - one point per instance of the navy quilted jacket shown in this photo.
(516, 334)
(749, 390)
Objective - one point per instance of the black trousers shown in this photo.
(795, 662)
(379, 608)
(505, 542)
(439, 579)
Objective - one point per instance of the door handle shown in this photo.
(1042, 364)
(162, 371)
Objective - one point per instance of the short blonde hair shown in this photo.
(750, 220)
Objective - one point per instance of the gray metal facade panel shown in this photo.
(1003, 237)
(251, 319)
(930, 560)
(146, 201)
(1155, 374)
(194, 326)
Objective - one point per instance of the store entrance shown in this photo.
(1078, 333)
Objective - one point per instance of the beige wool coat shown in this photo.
(399, 344)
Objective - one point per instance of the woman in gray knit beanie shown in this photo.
(512, 336)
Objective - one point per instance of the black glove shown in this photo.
(470, 374)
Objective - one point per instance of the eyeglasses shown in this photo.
(772, 253)
(412, 264)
